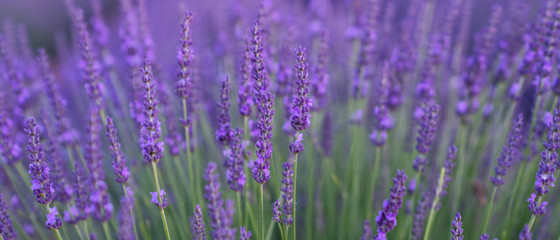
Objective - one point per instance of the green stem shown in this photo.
(86, 232)
(154, 168)
(489, 212)
(281, 231)
(262, 212)
(375, 172)
(434, 204)
(188, 148)
(294, 198)
(238, 195)
(533, 217)
(106, 230)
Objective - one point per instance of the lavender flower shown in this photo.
(88, 62)
(125, 217)
(420, 215)
(525, 234)
(387, 218)
(223, 133)
(173, 137)
(319, 85)
(152, 148)
(244, 97)
(448, 164)
(53, 222)
(63, 191)
(234, 164)
(276, 211)
(366, 233)
(220, 218)
(183, 87)
(484, 236)
(9, 149)
(288, 191)
(100, 207)
(198, 224)
(40, 173)
(426, 132)
(547, 166)
(155, 199)
(77, 212)
(302, 104)
(264, 100)
(6, 227)
(457, 231)
(244, 234)
(297, 146)
(508, 152)
(119, 162)
(383, 119)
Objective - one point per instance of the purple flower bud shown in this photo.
(426, 134)
(223, 133)
(220, 218)
(53, 221)
(152, 148)
(508, 152)
(156, 196)
(302, 104)
(276, 211)
(198, 224)
(366, 232)
(525, 234)
(6, 227)
(183, 87)
(119, 162)
(77, 212)
(125, 217)
(387, 218)
(244, 234)
(244, 96)
(40, 173)
(457, 231)
(297, 146)
(288, 191)
(235, 164)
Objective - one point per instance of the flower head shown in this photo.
(119, 162)
(198, 224)
(40, 173)
(457, 231)
(156, 196)
(6, 227)
(53, 221)
(508, 152)
(152, 148)
(387, 218)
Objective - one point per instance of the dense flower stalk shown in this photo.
(119, 161)
(220, 217)
(426, 134)
(319, 85)
(244, 234)
(78, 212)
(63, 190)
(420, 215)
(100, 207)
(199, 233)
(264, 100)
(383, 120)
(525, 233)
(368, 40)
(53, 221)
(484, 236)
(366, 232)
(288, 192)
(234, 161)
(88, 63)
(66, 135)
(9, 149)
(244, 95)
(6, 227)
(152, 148)
(276, 213)
(547, 167)
(302, 104)
(125, 217)
(448, 164)
(456, 230)
(223, 133)
(173, 137)
(509, 152)
(387, 218)
(14, 77)
(40, 173)
(183, 87)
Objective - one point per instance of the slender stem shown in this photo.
(281, 231)
(106, 230)
(489, 212)
(375, 172)
(262, 212)
(154, 168)
(86, 232)
(434, 204)
(188, 148)
(294, 198)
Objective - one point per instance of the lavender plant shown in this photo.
(457, 97)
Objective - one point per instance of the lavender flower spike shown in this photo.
(547, 167)
(183, 87)
(244, 234)
(457, 231)
(366, 233)
(234, 164)
(119, 161)
(155, 199)
(223, 133)
(219, 217)
(302, 104)
(525, 234)
(264, 100)
(6, 227)
(244, 98)
(426, 134)
(40, 178)
(77, 212)
(152, 148)
(198, 224)
(125, 217)
(484, 236)
(288, 191)
(276, 211)
(53, 221)
(508, 152)
(387, 218)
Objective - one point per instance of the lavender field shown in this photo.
(279, 119)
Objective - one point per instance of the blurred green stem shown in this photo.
(154, 168)
(262, 212)
(294, 198)
(106, 230)
(489, 211)
(375, 172)
(434, 204)
(188, 149)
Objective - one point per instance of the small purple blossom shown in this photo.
(77, 212)
(183, 87)
(484, 236)
(119, 162)
(525, 234)
(234, 161)
(220, 218)
(155, 199)
(366, 232)
(276, 213)
(223, 133)
(152, 148)
(125, 216)
(288, 191)
(457, 231)
(6, 227)
(508, 152)
(198, 224)
(53, 221)
(40, 173)
(244, 234)
(387, 218)
(426, 134)
(244, 96)
(302, 104)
